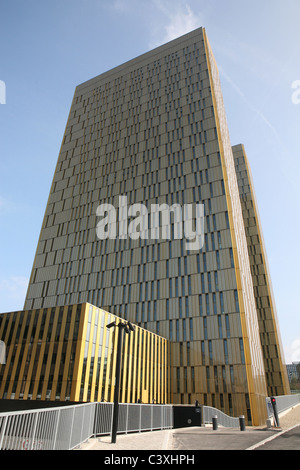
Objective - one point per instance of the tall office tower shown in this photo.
(154, 131)
(275, 369)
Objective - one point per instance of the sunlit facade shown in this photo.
(67, 354)
(274, 362)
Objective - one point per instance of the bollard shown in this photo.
(215, 423)
(242, 423)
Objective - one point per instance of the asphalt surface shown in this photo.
(289, 440)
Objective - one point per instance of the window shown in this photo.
(220, 327)
(202, 283)
(213, 242)
(188, 353)
(210, 351)
(178, 379)
(237, 306)
(203, 352)
(222, 302)
(200, 306)
(191, 330)
(207, 305)
(193, 379)
(218, 260)
(242, 351)
(187, 307)
(227, 326)
(216, 281)
(223, 187)
(227, 219)
(214, 222)
(219, 240)
(208, 379)
(231, 257)
(205, 327)
(226, 351)
(184, 329)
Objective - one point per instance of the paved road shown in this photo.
(222, 439)
(284, 441)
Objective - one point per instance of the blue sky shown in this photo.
(47, 48)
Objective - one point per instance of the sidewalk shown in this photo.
(168, 439)
(155, 440)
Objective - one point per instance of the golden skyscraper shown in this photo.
(154, 131)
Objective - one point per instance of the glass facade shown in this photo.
(274, 362)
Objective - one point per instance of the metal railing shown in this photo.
(64, 428)
(133, 418)
(59, 428)
(223, 419)
(284, 403)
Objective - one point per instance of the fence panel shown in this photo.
(223, 419)
(133, 418)
(60, 428)
(146, 417)
(103, 418)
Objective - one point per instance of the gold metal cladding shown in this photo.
(254, 392)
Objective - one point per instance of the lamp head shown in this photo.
(131, 327)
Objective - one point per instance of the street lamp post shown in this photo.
(127, 327)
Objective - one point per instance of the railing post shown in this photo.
(151, 417)
(127, 412)
(82, 424)
(95, 419)
(71, 427)
(56, 429)
(140, 425)
(3, 431)
(34, 429)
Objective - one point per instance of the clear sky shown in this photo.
(49, 47)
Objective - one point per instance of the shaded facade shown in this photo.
(276, 375)
(154, 130)
(66, 353)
